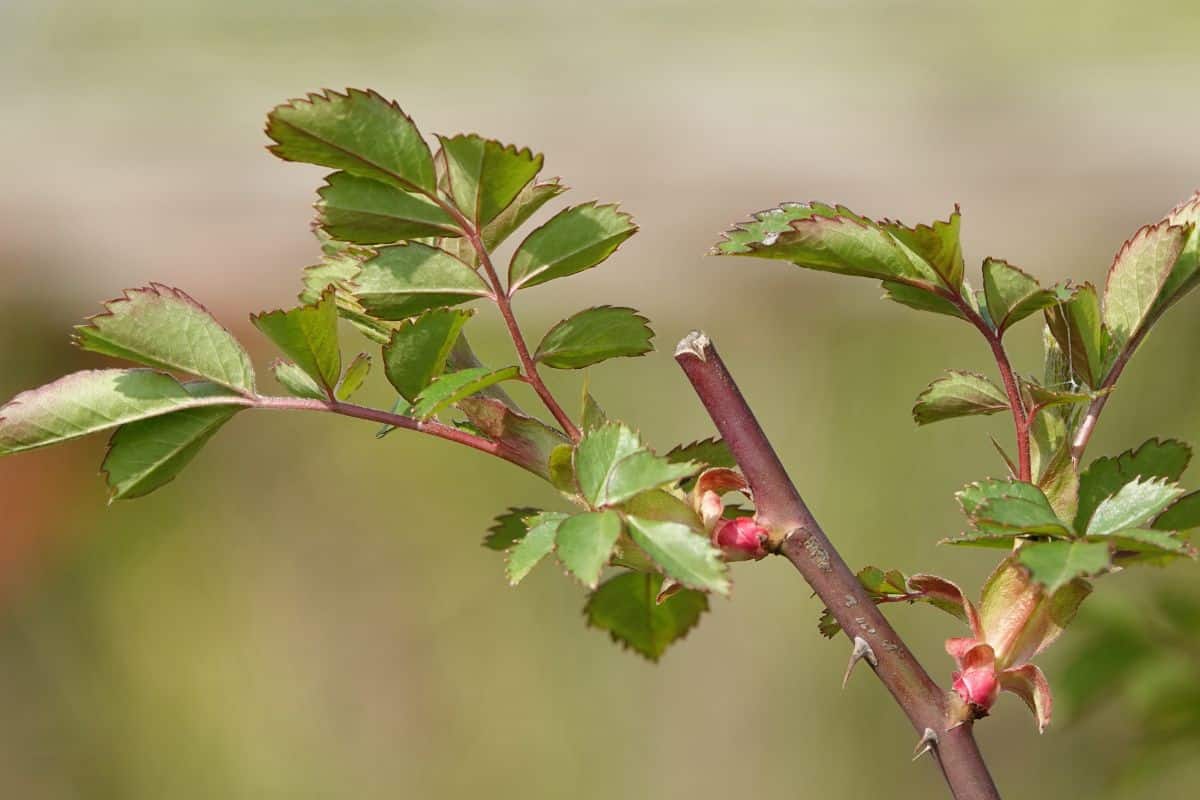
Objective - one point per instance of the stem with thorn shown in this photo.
(800, 539)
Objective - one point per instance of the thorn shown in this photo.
(861, 650)
(929, 740)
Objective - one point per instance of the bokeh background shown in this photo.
(306, 613)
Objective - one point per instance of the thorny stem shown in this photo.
(1021, 418)
(780, 508)
(1088, 426)
(529, 370)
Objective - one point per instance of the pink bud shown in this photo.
(741, 539)
(977, 683)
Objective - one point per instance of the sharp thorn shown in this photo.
(929, 740)
(861, 650)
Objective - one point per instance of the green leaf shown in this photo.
(600, 450)
(593, 415)
(920, 299)
(938, 244)
(448, 389)
(713, 452)
(366, 211)
(356, 373)
(1137, 276)
(484, 176)
(639, 472)
(1140, 546)
(830, 239)
(522, 439)
(1060, 482)
(586, 542)
(508, 529)
(296, 381)
(535, 545)
(404, 280)
(1012, 295)
(528, 202)
(1185, 274)
(163, 327)
(1105, 476)
(1055, 564)
(1002, 507)
(626, 607)
(359, 132)
(959, 394)
(1045, 397)
(418, 349)
(595, 335)
(1000, 539)
(91, 401)
(684, 553)
(1134, 504)
(147, 454)
(1182, 515)
(308, 336)
(1077, 327)
(575, 239)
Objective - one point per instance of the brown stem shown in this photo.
(780, 508)
(1088, 426)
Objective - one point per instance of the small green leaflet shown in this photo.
(296, 381)
(359, 132)
(586, 542)
(1055, 564)
(938, 244)
(163, 327)
(508, 529)
(626, 607)
(575, 239)
(528, 202)
(1182, 515)
(612, 465)
(1010, 507)
(450, 388)
(713, 452)
(1105, 476)
(920, 299)
(92, 401)
(308, 336)
(1077, 327)
(484, 176)
(1141, 546)
(352, 381)
(683, 553)
(418, 350)
(1012, 295)
(404, 280)
(959, 394)
(535, 545)
(147, 454)
(595, 335)
(366, 211)
(1137, 276)
(1135, 504)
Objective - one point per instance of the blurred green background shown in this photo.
(307, 612)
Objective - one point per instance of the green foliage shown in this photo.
(417, 352)
(354, 376)
(537, 543)
(595, 335)
(1134, 504)
(365, 211)
(1105, 476)
(1077, 327)
(296, 381)
(508, 529)
(404, 280)
(1055, 564)
(163, 327)
(1013, 295)
(586, 542)
(308, 336)
(959, 394)
(575, 239)
(626, 607)
(612, 465)
(1010, 508)
(456, 386)
(483, 176)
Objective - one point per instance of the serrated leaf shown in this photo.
(527, 203)
(1055, 564)
(308, 336)
(522, 439)
(1182, 515)
(573, 240)
(508, 529)
(713, 452)
(586, 542)
(536, 544)
(404, 280)
(147, 454)
(1134, 504)
(448, 389)
(92, 401)
(1012, 295)
(419, 348)
(1010, 506)
(483, 176)
(296, 381)
(595, 335)
(639, 472)
(163, 327)
(359, 132)
(367, 211)
(959, 394)
(600, 450)
(627, 608)
(1137, 276)
(1185, 274)
(1139, 545)
(920, 299)
(938, 244)
(1077, 326)
(683, 553)
(353, 379)
(1105, 476)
